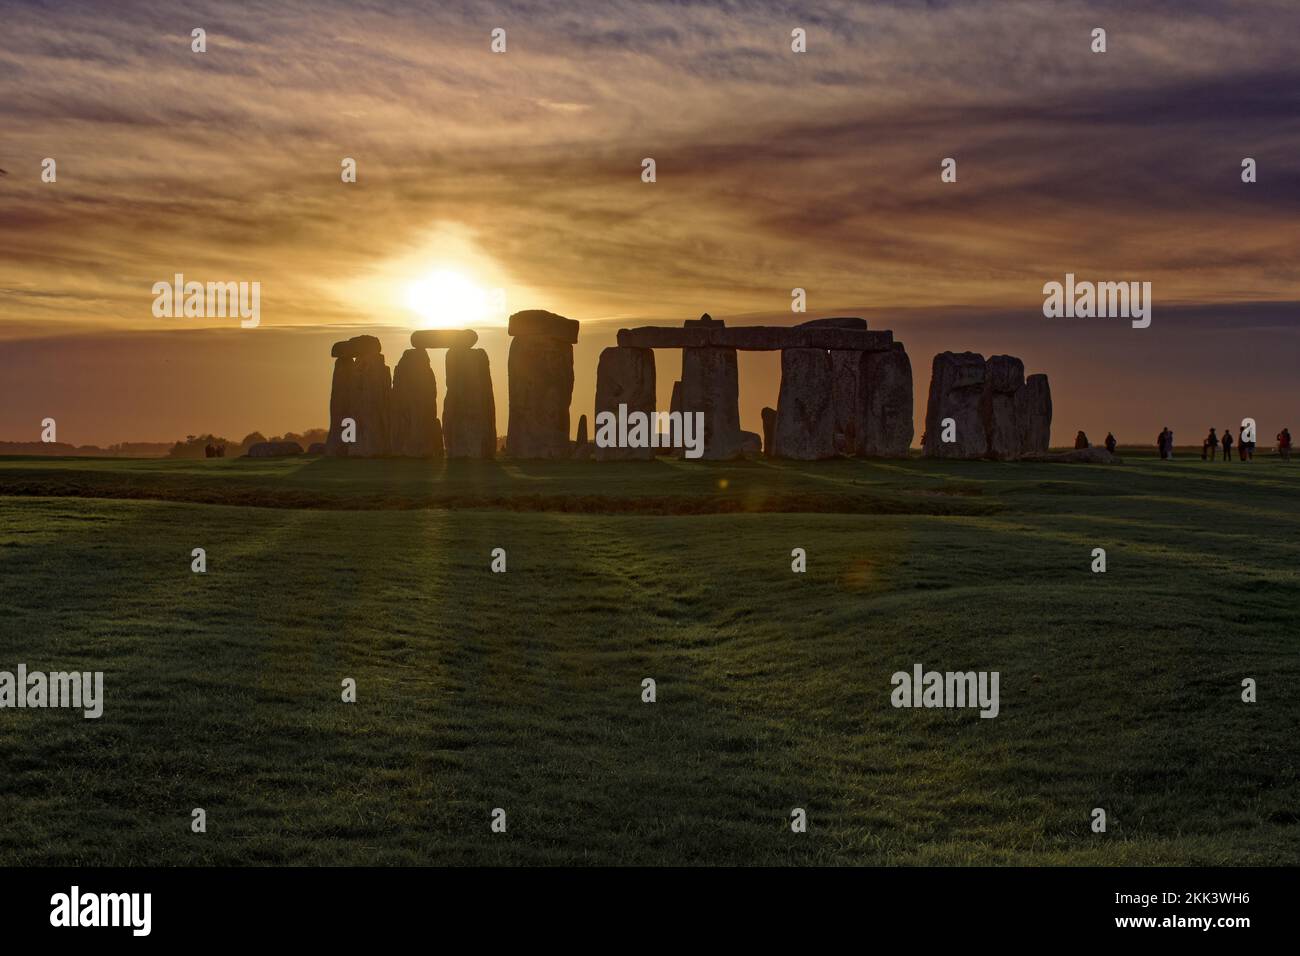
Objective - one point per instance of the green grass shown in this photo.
(523, 690)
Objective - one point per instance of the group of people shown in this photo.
(1245, 449)
(1211, 444)
(1209, 447)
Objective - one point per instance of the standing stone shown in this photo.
(582, 431)
(675, 402)
(469, 415)
(710, 385)
(1004, 376)
(805, 414)
(847, 399)
(416, 431)
(1034, 415)
(342, 405)
(626, 376)
(846, 384)
(956, 389)
(886, 397)
(374, 384)
(541, 388)
(769, 430)
(541, 384)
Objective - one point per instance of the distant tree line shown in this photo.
(197, 446)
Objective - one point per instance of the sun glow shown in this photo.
(446, 298)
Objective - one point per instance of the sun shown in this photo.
(448, 299)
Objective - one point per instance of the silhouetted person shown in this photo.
(1209, 446)
(1284, 444)
(1081, 441)
(1160, 443)
(1227, 445)
(1110, 443)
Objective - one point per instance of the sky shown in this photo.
(522, 172)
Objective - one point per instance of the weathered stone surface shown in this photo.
(1004, 375)
(760, 338)
(805, 414)
(837, 322)
(414, 427)
(664, 337)
(754, 338)
(582, 431)
(886, 397)
(444, 338)
(956, 388)
(751, 444)
(1034, 415)
(769, 430)
(541, 388)
(273, 449)
(374, 384)
(469, 417)
(710, 385)
(356, 347)
(342, 405)
(539, 322)
(625, 376)
(847, 400)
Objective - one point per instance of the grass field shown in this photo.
(523, 690)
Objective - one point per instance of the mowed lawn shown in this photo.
(523, 690)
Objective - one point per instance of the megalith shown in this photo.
(956, 390)
(1004, 376)
(625, 376)
(885, 398)
(415, 429)
(344, 389)
(541, 384)
(374, 383)
(342, 402)
(805, 420)
(1034, 415)
(846, 383)
(469, 416)
(710, 385)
